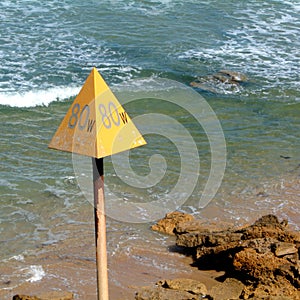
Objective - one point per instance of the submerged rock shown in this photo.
(232, 76)
(222, 81)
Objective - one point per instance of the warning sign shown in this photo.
(96, 124)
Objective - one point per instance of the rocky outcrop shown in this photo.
(265, 255)
(260, 261)
(171, 220)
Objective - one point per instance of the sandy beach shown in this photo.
(66, 270)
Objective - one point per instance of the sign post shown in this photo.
(100, 228)
(96, 125)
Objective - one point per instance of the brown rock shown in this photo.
(207, 239)
(159, 293)
(269, 220)
(201, 226)
(269, 227)
(184, 284)
(190, 226)
(282, 249)
(260, 245)
(273, 298)
(170, 221)
(255, 264)
(55, 295)
(229, 289)
(23, 297)
(272, 290)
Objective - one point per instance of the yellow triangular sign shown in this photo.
(96, 124)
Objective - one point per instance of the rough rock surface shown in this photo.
(183, 284)
(229, 289)
(171, 220)
(261, 261)
(55, 295)
(265, 255)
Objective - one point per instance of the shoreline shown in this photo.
(67, 272)
(70, 264)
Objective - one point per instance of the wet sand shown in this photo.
(65, 270)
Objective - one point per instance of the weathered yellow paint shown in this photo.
(96, 124)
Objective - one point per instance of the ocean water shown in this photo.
(148, 52)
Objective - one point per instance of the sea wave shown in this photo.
(150, 7)
(36, 273)
(37, 97)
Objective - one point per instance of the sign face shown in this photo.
(96, 124)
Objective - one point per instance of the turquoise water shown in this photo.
(48, 49)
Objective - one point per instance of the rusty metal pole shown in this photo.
(100, 229)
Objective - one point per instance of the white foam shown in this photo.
(37, 273)
(19, 257)
(37, 98)
(150, 7)
(151, 83)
